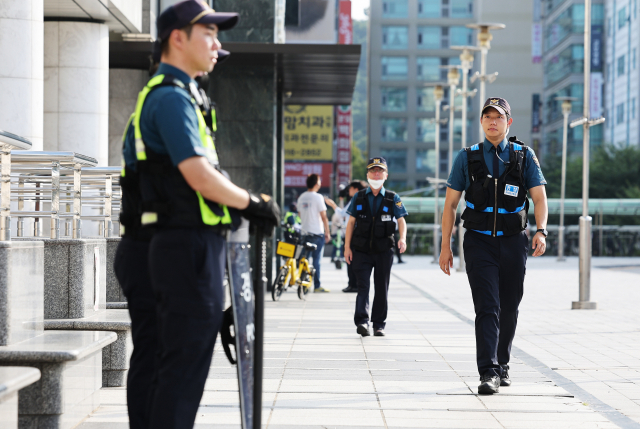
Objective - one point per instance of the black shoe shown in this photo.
(350, 289)
(363, 330)
(489, 384)
(378, 333)
(504, 378)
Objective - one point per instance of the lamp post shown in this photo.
(566, 111)
(438, 94)
(484, 43)
(453, 78)
(466, 62)
(585, 219)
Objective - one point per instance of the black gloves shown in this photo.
(262, 212)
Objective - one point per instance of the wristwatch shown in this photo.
(543, 231)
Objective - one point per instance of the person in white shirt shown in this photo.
(315, 224)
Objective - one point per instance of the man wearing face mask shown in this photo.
(496, 175)
(369, 244)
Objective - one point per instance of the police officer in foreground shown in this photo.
(495, 175)
(184, 205)
(369, 243)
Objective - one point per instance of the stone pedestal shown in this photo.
(76, 88)
(12, 379)
(21, 75)
(114, 291)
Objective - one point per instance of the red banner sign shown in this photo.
(295, 173)
(343, 160)
(345, 25)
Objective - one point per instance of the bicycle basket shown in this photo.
(286, 249)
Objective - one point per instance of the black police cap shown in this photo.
(500, 104)
(191, 12)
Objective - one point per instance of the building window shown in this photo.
(426, 102)
(429, 37)
(634, 58)
(426, 131)
(394, 99)
(395, 9)
(396, 160)
(620, 113)
(620, 65)
(622, 17)
(393, 130)
(425, 161)
(461, 36)
(461, 8)
(571, 20)
(633, 108)
(395, 36)
(570, 60)
(428, 68)
(429, 9)
(394, 68)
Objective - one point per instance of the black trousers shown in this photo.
(496, 268)
(396, 248)
(131, 269)
(352, 277)
(187, 270)
(362, 264)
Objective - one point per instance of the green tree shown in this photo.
(358, 162)
(359, 102)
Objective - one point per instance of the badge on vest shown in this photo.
(385, 218)
(511, 190)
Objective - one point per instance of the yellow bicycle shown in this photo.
(296, 270)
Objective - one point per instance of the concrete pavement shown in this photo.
(570, 368)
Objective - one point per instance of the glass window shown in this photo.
(429, 9)
(428, 68)
(622, 17)
(634, 58)
(460, 36)
(620, 113)
(394, 99)
(426, 131)
(395, 9)
(568, 61)
(461, 8)
(395, 36)
(553, 111)
(393, 130)
(396, 160)
(620, 65)
(425, 161)
(426, 101)
(570, 21)
(633, 108)
(394, 68)
(429, 37)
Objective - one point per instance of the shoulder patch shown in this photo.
(535, 159)
(399, 204)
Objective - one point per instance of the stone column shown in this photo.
(21, 47)
(76, 88)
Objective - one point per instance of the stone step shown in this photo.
(116, 356)
(12, 379)
(117, 305)
(70, 363)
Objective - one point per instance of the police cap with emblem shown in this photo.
(191, 12)
(377, 161)
(500, 104)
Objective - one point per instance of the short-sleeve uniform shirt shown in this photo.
(168, 122)
(374, 202)
(459, 176)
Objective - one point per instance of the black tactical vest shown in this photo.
(373, 234)
(496, 206)
(131, 205)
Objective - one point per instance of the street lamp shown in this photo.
(585, 219)
(453, 78)
(438, 94)
(566, 111)
(484, 43)
(466, 62)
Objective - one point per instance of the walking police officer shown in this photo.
(496, 176)
(175, 195)
(369, 243)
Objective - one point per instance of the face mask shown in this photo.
(375, 184)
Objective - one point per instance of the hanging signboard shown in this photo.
(308, 133)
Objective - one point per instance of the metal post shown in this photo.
(585, 219)
(20, 232)
(452, 110)
(436, 214)
(55, 200)
(483, 73)
(5, 193)
(77, 201)
(108, 188)
(563, 182)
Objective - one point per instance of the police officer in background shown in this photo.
(496, 175)
(184, 205)
(369, 243)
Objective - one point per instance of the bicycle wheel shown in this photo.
(306, 277)
(278, 284)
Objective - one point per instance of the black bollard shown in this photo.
(259, 291)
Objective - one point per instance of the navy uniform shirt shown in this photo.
(168, 122)
(459, 177)
(374, 202)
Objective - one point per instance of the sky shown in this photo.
(357, 9)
